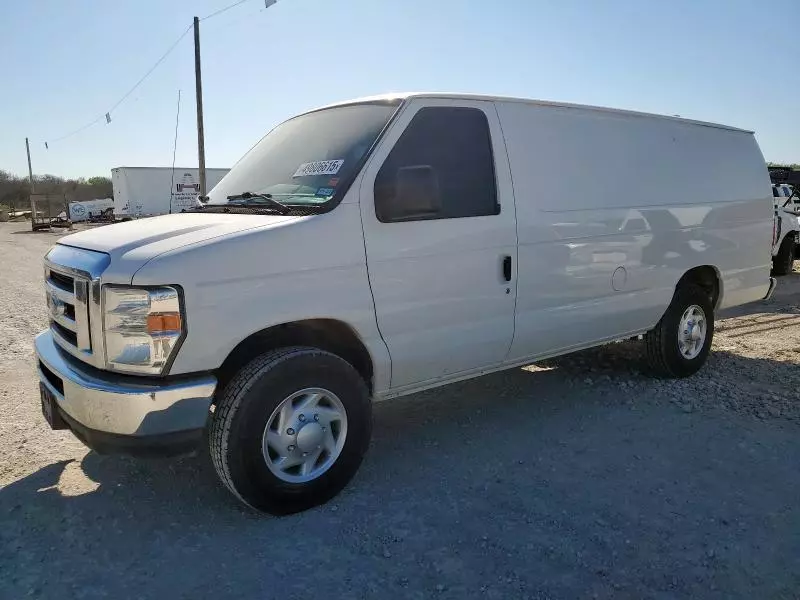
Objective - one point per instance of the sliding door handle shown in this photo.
(507, 268)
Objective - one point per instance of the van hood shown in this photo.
(133, 243)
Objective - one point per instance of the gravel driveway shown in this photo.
(575, 478)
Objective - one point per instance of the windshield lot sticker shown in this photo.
(324, 192)
(319, 167)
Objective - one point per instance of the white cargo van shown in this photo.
(384, 246)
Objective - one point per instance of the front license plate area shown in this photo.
(50, 408)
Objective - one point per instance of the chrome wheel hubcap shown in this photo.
(692, 332)
(304, 435)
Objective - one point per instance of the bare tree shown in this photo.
(15, 191)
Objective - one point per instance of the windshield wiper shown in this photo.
(298, 195)
(279, 206)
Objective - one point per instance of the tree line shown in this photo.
(15, 191)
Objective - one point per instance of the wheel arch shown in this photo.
(331, 335)
(707, 277)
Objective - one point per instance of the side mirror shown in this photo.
(414, 195)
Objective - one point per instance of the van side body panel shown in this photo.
(442, 304)
(310, 268)
(614, 208)
(595, 191)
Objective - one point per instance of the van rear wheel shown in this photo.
(290, 430)
(679, 344)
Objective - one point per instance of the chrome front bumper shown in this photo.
(123, 406)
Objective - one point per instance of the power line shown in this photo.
(267, 4)
(153, 68)
(76, 131)
(222, 10)
(174, 151)
(107, 114)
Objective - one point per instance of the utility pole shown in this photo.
(201, 144)
(30, 170)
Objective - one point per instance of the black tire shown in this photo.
(244, 407)
(783, 262)
(663, 352)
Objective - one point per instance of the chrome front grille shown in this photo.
(67, 308)
(72, 286)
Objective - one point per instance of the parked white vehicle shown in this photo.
(786, 229)
(86, 209)
(149, 191)
(384, 246)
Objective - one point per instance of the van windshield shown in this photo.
(306, 159)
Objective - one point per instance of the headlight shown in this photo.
(142, 328)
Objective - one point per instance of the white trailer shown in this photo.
(149, 191)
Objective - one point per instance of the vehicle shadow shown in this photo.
(509, 401)
(141, 485)
(785, 299)
(554, 453)
(761, 319)
(53, 231)
(762, 325)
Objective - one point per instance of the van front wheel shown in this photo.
(290, 429)
(679, 344)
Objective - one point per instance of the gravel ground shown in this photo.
(576, 478)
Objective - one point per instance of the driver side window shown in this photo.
(441, 167)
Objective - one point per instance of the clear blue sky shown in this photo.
(65, 63)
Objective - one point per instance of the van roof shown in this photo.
(459, 96)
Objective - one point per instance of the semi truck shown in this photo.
(151, 191)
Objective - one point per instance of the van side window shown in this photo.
(441, 168)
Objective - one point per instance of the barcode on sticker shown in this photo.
(319, 167)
